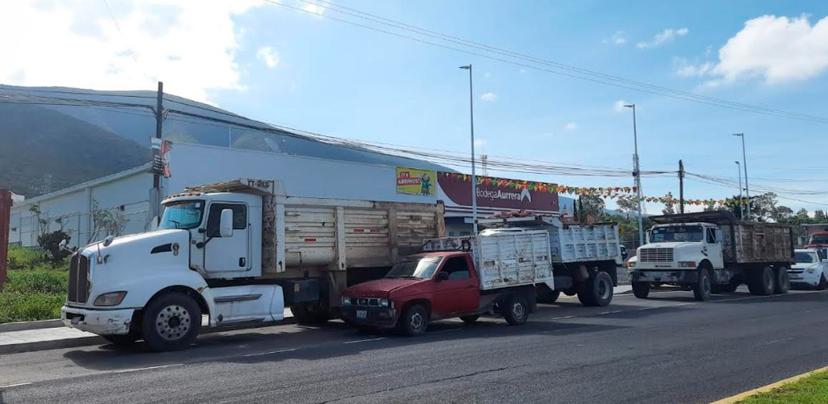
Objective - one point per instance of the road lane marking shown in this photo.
(271, 352)
(767, 388)
(611, 312)
(363, 340)
(148, 368)
(14, 385)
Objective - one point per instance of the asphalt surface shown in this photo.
(665, 349)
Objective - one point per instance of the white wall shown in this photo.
(301, 176)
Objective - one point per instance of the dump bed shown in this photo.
(504, 257)
(744, 242)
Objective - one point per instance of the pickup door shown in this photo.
(459, 293)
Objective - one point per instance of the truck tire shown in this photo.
(641, 289)
(703, 286)
(781, 283)
(596, 290)
(470, 319)
(546, 295)
(516, 310)
(310, 313)
(414, 320)
(760, 281)
(171, 322)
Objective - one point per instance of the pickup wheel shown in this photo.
(596, 290)
(470, 319)
(781, 283)
(703, 286)
(171, 322)
(516, 310)
(641, 289)
(822, 283)
(414, 320)
(761, 282)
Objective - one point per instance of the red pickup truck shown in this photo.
(431, 286)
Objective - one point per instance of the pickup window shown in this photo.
(457, 268)
(414, 267)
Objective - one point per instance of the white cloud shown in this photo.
(685, 69)
(191, 46)
(663, 37)
(618, 106)
(618, 38)
(314, 8)
(778, 49)
(269, 56)
(570, 126)
(489, 97)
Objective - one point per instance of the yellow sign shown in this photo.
(413, 181)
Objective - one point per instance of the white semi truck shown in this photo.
(713, 252)
(238, 252)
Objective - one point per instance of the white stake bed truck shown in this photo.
(238, 252)
(713, 252)
(584, 258)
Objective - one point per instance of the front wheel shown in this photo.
(702, 288)
(171, 322)
(641, 289)
(414, 320)
(822, 283)
(516, 310)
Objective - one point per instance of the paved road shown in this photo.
(665, 349)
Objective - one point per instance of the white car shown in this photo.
(810, 270)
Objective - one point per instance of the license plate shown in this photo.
(361, 314)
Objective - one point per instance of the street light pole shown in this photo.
(744, 165)
(637, 176)
(473, 172)
(741, 200)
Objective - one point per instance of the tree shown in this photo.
(819, 216)
(762, 207)
(627, 204)
(591, 208)
(107, 222)
(50, 242)
(783, 214)
(669, 205)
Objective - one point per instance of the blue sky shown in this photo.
(309, 71)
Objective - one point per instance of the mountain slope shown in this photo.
(42, 150)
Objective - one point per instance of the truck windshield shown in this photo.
(805, 257)
(182, 215)
(414, 267)
(819, 239)
(677, 233)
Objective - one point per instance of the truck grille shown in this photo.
(656, 255)
(78, 279)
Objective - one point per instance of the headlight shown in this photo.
(687, 264)
(110, 299)
(384, 302)
(346, 301)
(630, 264)
(811, 270)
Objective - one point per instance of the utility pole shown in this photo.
(741, 200)
(681, 187)
(156, 176)
(744, 166)
(473, 173)
(637, 176)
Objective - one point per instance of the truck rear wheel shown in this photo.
(781, 283)
(171, 322)
(596, 290)
(310, 313)
(760, 281)
(546, 295)
(414, 320)
(641, 289)
(516, 310)
(703, 287)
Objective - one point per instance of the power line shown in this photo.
(527, 61)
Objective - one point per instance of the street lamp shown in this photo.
(744, 165)
(471, 128)
(741, 200)
(637, 176)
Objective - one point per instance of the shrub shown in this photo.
(16, 306)
(31, 282)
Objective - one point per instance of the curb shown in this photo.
(98, 340)
(770, 387)
(30, 325)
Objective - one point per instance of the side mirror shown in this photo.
(442, 276)
(226, 223)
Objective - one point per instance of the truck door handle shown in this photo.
(242, 261)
